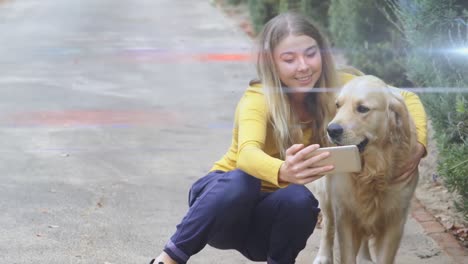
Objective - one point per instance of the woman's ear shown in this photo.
(399, 120)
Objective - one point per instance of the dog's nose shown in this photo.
(334, 130)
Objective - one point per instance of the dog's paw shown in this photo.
(365, 261)
(323, 260)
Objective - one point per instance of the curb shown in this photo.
(432, 228)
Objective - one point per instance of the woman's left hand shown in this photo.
(412, 164)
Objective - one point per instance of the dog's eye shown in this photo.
(362, 109)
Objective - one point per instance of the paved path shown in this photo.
(110, 110)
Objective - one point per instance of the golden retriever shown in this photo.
(367, 205)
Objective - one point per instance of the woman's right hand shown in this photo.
(299, 169)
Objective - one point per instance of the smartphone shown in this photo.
(344, 158)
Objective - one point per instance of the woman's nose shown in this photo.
(302, 64)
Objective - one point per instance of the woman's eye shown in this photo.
(289, 60)
(362, 109)
(311, 55)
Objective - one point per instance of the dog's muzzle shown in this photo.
(335, 131)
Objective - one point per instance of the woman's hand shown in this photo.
(299, 169)
(412, 165)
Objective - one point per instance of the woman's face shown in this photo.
(298, 61)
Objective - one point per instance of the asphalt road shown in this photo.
(109, 110)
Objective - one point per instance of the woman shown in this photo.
(254, 199)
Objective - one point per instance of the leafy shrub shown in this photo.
(436, 32)
(236, 2)
(360, 29)
(317, 11)
(263, 10)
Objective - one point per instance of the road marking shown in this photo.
(75, 118)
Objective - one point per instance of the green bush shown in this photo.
(449, 113)
(236, 2)
(263, 10)
(317, 11)
(454, 168)
(436, 31)
(360, 29)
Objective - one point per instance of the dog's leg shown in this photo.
(364, 256)
(349, 239)
(388, 242)
(325, 253)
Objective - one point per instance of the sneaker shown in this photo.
(152, 262)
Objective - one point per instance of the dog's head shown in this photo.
(368, 112)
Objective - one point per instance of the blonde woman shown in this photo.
(254, 200)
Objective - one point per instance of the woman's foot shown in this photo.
(163, 258)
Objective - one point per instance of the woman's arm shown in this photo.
(252, 123)
(418, 114)
(252, 126)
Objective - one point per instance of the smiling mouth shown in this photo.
(304, 79)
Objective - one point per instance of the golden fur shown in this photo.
(367, 205)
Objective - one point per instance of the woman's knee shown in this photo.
(301, 205)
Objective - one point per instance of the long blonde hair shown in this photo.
(319, 104)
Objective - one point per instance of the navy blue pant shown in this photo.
(228, 211)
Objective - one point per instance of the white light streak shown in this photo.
(463, 51)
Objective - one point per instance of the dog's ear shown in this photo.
(399, 120)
